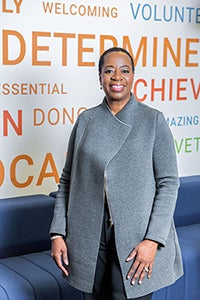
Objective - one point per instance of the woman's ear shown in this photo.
(100, 81)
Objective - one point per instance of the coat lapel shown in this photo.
(129, 112)
(117, 127)
(107, 133)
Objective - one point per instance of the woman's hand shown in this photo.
(59, 254)
(143, 255)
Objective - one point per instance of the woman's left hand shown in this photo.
(143, 255)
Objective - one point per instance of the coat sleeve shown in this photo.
(58, 224)
(167, 183)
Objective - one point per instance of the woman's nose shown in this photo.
(117, 75)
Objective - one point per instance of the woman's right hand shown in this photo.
(59, 254)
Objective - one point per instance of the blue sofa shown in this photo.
(187, 221)
(27, 272)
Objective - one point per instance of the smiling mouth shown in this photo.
(117, 87)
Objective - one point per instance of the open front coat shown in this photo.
(131, 156)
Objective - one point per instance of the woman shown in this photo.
(113, 233)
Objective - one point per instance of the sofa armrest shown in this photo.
(24, 224)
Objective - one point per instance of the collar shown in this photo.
(126, 114)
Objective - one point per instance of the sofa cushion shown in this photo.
(189, 238)
(25, 223)
(187, 287)
(34, 276)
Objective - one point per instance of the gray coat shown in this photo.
(132, 157)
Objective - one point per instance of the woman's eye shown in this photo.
(108, 71)
(125, 71)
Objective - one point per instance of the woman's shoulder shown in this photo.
(150, 114)
(90, 112)
(148, 109)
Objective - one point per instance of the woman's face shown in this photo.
(117, 76)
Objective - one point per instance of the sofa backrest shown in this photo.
(188, 203)
(24, 224)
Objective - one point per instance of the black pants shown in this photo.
(108, 283)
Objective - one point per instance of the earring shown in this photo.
(100, 87)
